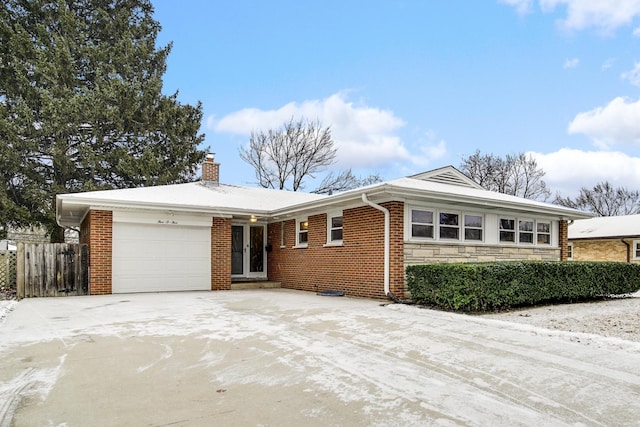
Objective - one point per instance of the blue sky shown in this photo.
(412, 85)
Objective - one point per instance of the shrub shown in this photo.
(503, 285)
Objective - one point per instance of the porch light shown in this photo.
(253, 218)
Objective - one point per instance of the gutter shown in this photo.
(628, 249)
(387, 229)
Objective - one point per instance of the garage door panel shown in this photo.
(156, 258)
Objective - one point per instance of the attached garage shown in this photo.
(160, 252)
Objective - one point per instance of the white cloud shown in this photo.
(608, 64)
(636, 31)
(568, 169)
(522, 6)
(633, 75)
(570, 63)
(364, 136)
(605, 15)
(617, 122)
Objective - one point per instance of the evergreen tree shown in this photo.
(81, 105)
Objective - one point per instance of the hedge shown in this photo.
(502, 285)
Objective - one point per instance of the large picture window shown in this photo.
(422, 223)
(446, 225)
(528, 231)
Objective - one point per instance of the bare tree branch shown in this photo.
(604, 200)
(517, 175)
(287, 156)
(344, 181)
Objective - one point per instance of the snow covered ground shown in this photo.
(278, 357)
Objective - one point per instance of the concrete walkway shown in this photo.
(279, 357)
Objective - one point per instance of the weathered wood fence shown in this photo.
(52, 269)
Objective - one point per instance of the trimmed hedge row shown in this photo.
(502, 285)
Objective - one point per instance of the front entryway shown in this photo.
(248, 251)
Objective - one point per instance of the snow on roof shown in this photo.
(605, 226)
(195, 196)
(428, 190)
(236, 200)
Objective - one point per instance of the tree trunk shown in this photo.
(57, 234)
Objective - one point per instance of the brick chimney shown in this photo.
(210, 170)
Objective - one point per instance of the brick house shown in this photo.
(207, 235)
(608, 238)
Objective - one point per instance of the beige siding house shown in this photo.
(610, 238)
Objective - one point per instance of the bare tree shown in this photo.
(604, 200)
(518, 174)
(285, 157)
(343, 181)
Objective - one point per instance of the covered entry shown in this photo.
(248, 251)
(160, 252)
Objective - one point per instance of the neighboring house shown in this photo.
(607, 238)
(205, 235)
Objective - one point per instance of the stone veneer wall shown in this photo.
(416, 253)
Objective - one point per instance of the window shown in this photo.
(473, 227)
(543, 230)
(525, 231)
(570, 251)
(334, 228)
(302, 231)
(636, 249)
(421, 223)
(449, 226)
(507, 230)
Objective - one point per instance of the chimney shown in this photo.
(210, 170)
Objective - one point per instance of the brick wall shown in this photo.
(356, 267)
(601, 250)
(221, 254)
(563, 239)
(96, 231)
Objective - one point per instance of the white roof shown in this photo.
(219, 199)
(433, 191)
(605, 226)
(445, 185)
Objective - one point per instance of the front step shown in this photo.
(255, 285)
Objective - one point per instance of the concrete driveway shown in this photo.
(279, 357)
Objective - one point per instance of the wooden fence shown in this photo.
(52, 269)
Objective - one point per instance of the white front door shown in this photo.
(248, 250)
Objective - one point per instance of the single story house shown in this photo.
(607, 238)
(206, 235)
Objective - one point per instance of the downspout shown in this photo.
(628, 249)
(387, 229)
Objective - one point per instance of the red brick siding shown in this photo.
(563, 242)
(96, 231)
(357, 267)
(221, 254)
(210, 171)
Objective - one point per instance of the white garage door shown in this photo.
(160, 257)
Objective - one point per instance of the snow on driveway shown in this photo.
(279, 357)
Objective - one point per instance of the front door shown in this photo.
(248, 252)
